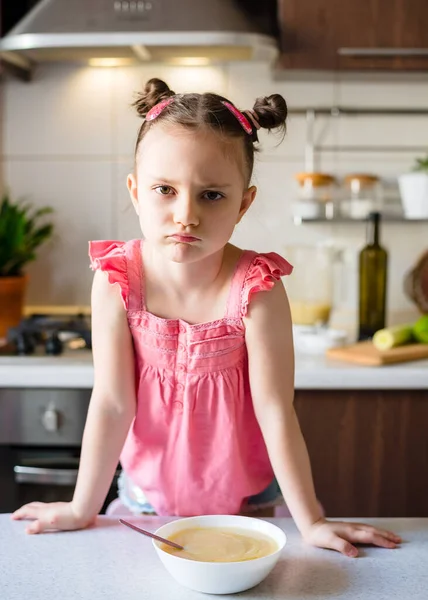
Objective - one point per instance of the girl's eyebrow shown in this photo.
(217, 185)
(203, 185)
(163, 179)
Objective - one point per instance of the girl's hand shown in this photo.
(337, 535)
(53, 515)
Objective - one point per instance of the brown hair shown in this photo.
(197, 110)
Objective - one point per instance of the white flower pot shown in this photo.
(414, 195)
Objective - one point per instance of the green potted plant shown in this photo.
(22, 230)
(414, 190)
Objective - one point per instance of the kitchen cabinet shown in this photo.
(368, 450)
(354, 35)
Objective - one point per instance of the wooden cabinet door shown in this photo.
(368, 450)
(354, 34)
(309, 33)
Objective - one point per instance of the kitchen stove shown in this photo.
(48, 334)
(43, 408)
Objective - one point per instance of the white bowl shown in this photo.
(220, 577)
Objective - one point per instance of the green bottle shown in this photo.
(373, 267)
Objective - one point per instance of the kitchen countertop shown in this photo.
(74, 370)
(109, 561)
(319, 372)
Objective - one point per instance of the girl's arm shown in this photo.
(113, 402)
(271, 369)
(110, 414)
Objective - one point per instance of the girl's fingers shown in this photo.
(340, 536)
(342, 546)
(382, 541)
(389, 535)
(37, 526)
(44, 522)
(28, 511)
(48, 516)
(364, 536)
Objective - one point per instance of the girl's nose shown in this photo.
(186, 211)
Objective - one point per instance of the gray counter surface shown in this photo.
(111, 562)
(75, 370)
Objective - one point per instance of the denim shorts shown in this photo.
(134, 499)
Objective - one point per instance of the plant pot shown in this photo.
(12, 293)
(414, 195)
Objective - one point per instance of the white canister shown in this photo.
(414, 195)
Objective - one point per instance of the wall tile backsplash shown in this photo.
(68, 141)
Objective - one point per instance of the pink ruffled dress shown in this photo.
(195, 446)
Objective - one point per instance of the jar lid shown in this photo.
(364, 179)
(317, 179)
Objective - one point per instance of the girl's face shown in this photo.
(189, 190)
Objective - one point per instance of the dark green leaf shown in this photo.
(22, 230)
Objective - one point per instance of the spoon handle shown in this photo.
(152, 535)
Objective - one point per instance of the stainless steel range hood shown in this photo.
(114, 32)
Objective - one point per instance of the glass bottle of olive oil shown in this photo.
(373, 266)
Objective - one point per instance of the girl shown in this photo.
(192, 343)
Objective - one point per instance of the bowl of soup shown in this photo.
(223, 554)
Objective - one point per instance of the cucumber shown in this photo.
(390, 337)
(420, 330)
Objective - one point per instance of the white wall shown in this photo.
(68, 141)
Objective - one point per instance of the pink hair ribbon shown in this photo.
(156, 110)
(245, 124)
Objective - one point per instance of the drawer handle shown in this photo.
(41, 476)
(382, 52)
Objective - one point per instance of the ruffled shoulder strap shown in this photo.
(122, 262)
(257, 273)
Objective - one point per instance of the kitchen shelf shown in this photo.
(312, 148)
(385, 219)
(342, 148)
(336, 111)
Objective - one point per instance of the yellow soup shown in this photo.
(215, 544)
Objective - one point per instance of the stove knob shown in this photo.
(53, 345)
(24, 344)
(50, 419)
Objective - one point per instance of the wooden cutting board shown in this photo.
(364, 353)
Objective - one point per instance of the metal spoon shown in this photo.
(152, 535)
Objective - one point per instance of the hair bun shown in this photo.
(154, 91)
(271, 112)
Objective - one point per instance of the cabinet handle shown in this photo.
(382, 52)
(40, 476)
(43, 476)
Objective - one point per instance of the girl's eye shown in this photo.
(163, 190)
(213, 196)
